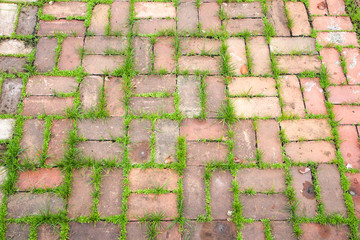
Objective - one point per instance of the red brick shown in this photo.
(331, 59)
(298, 64)
(336, 7)
(313, 96)
(154, 10)
(10, 95)
(70, 57)
(99, 19)
(244, 137)
(330, 189)
(154, 83)
(152, 178)
(260, 55)
(36, 105)
(237, 52)
(314, 151)
(259, 106)
(12, 64)
(209, 129)
(332, 23)
(99, 64)
(89, 91)
(290, 93)
(164, 52)
(141, 204)
(221, 196)
(142, 54)
(105, 230)
(140, 134)
(352, 59)
(119, 17)
(111, 189)
(252, 86)
(215, 90)
(50, 85)
(40, 178)
(102, 44)
(65, 9)
(288, 45)
(318, 7)
(18, 231)
(318, 231)
(268, 141)
(349, 146)
(212, 230)
(347, 114)
(32, 139)
(150, 105)
(153, 26)
(337, 38)
(344, 94)
(308, 129)
(80, 199)
(243, 9)
(282, 230)
(261, 180)
(58, 140)
(253, 230)
(298, 14)
(101, 129)
(189, 91)
(200, 45)
(252, 25)
(45, 56)
(140, 152)
(209, 16)
(276, 15)
(101, 150)
(166, 137)
(200, 63)
(304, 192)
(199, 153)
(48, 232)
(61, 26)
(164, 230)
(114, 96)
(187, 15)
(354, 190)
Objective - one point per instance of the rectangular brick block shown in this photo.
(314, 97)
(298, 14)
(119, 17)
(150, 105)
(189, 91)
(215, 93)
(199, 63)
(252, 25)
(10, 95)
(100, 64)
(347, 114)
(70, 57)
(37, 105)
(12, 46)
(318, 7)
(221, 196)
(268, 141)
(288, 45)
(140, 133)
(318, 231)
(58, 140)
(337, 38)
(33, 139)
(331, 59)
(166, 136)
(332, 23)
(252, 86)
(243, 9)
(61, 26)
(6, 129)
(344, 94)
(218, 229)
(352, 59)
(99, 19)
(349, 146)
(259, 106)
(314, 151)
(153, 26)
(244, 137)
(290, 93)
(209, 16)
(336, 7)
(154, 83)
(114, 96)
(105, 44)
(141, 179)
(237, 52)
(39, 178)
(277, 16)
(89, 230)
(199, 153)
(298, 64)
(27, 20)
(45, 56)
(187, 15)
(260, 55)
(200, 45)
(101, 150)
(65, 9)
(154, 10)
(90, 91)
(164, 52)
(101, 129)
(50, 85)
(308, 129)
(142, 54)
(8, 13)
(12, 64)
(210, 129)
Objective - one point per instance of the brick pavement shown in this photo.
(179, 120)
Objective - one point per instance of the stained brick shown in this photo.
(61, 26)
(10, 95)
(344, 94)
(253, 230)
(40, 178)
(252, 86)
(6, 128)
(354, 190)
(200, 45)
(215, 90)
(313, 96)
(27, 20)
(352, 59)
(82, 231)
(298, 64)
(332, 23)
(150, 105)
(221, 196)
(45, 54)
(36, 105)
(12, 64)
(260, 55)
(70, 57)
(336, 7)
(142, 54)
(33, 139)
(166, 135)
(290, 93)
(200, 63)
(119, 17)
(187, 15)
(199, 153)
(236, 49)
(99, 19)
(252, 25)
(154, 10)
(18, 231)
(65, 9)
(13, 46)
(102, 44)
(114, 96)
(282, 230)
(331, 59)
(8, 13)
(318, 151)
(189, 91)
(259, 106)
(309, 129)
(243, 9)
(268, 141)
(318, 7)
(141, 179)
(139, 148)
(195, 129)
(153, 26)
(58, 140)
(288, 45)
(90, 89)
(337, 38)
(208, 16)
(318, 231)
(165, 230)
(213, 230)
(347, 114)
(98, 151)
(297, 12)
(277, 16)
(244, 137)
(99, 64)
(48, 232)
(154, 83)
(50, 85)
(164, 54)
(101, 129)
(349, 145)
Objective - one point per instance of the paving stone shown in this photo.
(313, 96)
(253, 230)
(261, 180)
(331, 192)
(199, 63)
(32, 139)
(332, 23)
(268, 141)
(70, 57)
(318, 231)
(6, 128)
(260, 55)
(142, 54)
(243, 10)
(209, 16)
(12, 64)
(70, 27)
(259, 206)
(298, 64)
(17, 231)
(119, 17)
(10, 95)
(48, 232)
(65, 9)
(344, 94)
(221, 194)
(200, 45)
(216, 94)
(189, 91)
(276, 15)
(101, 150)
(209, 129)
(318, 7)
(154, 83)
(164, 52)
(245, 142)
(139, 147)
(45, 56)
(336, 7)
(259, 106)
(37, 105)
(194, 192)
(101, 129)
(114, 96)
(237, 52)
(99, 64)
(8, 13)
(354, 191)
(318, 151)
(304, 192)
(104, 44)
(331, 59)
(252, 86)
(352, 59)
(99, 19)
(298, 14)
(337, 38)
(282, 230)
(27, 20)
(347, 114)
(166, 136)
(349, 145)
(139, 152)
(111, 190)
(187, 15)
(90, 92)
(83, 231)
(288, 45)
(290, 93)
(308, 129)
(80, 200)
(165, 230)
(141, 204)
(58, 140)
(13, 46)
(152, 178)
(150, 105)
(153, 26)
(200, 153)
(252, 25)
(50, 85)
(210, 230)
(40, 178)
(154, 10)
(28, 204)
